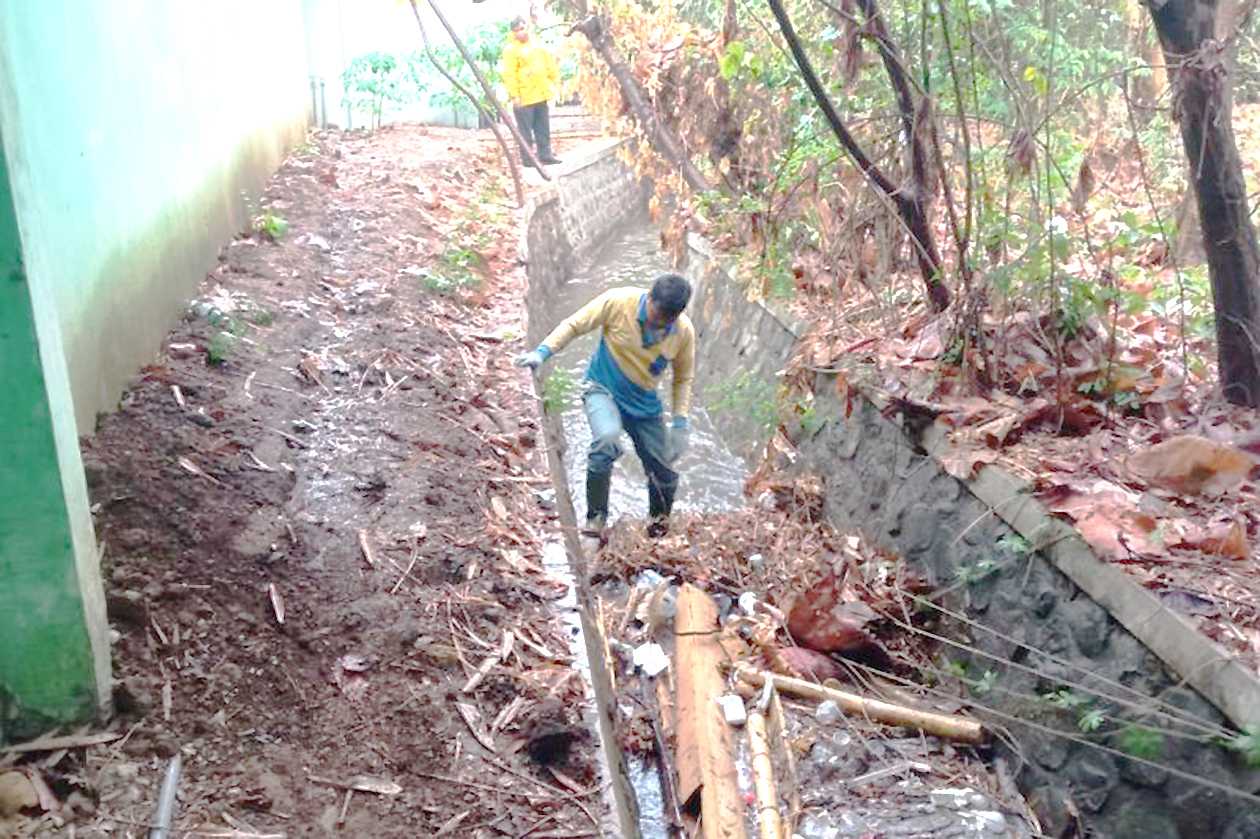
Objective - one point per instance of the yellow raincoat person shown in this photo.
(530, 73)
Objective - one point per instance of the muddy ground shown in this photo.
(323, 508)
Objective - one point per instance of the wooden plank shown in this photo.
(705, 759)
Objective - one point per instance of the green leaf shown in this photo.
(986, 682)
(732, 59)
(1140, 741)
(1091, 720)
(1247, 744)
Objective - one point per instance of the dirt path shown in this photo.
(324, 507)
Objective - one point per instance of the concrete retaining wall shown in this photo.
(565, 223)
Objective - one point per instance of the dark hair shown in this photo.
(671, 293)
(518, 22)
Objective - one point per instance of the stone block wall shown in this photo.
(1019, 604)
(741, 346)
(565, 224)
(1024, 610)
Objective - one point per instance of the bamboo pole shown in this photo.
(769, 824)
(942, 725)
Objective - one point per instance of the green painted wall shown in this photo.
(54, 663)
(133, 128)
(129, 132)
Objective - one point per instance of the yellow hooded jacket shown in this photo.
(530, 72)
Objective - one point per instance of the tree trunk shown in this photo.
(657, 132)
(1199, 71)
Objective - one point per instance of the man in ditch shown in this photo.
(642, 333)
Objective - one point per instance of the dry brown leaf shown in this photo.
(1192, 464)
(1107, 517)
(1115, 532)
(821, 620)
(801, 663)
(997, 430)
(963, 463)
(1227, 539)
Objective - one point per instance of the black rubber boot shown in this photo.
(660, 504)
(597, 490)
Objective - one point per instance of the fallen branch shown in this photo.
(911, 203)
(669, 797)
(485, 85)
(942, 725)
(494, 128)
(490, 661)
(52, 744)
(662, 138)
(359, 783)
(472, 718)
(769, 823)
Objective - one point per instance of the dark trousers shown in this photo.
(534, 123)
(648, 435)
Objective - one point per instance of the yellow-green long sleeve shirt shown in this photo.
(630, 360)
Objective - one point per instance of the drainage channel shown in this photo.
(712, 480)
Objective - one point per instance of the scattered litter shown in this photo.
(733, 710)
(651, 659)
(828, 712)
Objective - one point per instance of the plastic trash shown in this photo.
(650, 658)
(747, 602)
(733, 709)
(827, 712)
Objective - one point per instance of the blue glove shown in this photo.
(533, 360)
(677, 439)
